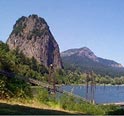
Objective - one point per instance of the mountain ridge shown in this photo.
(83, 59)
(86, 52)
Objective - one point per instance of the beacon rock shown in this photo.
(31, 35)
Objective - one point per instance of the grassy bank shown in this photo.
(68, 107)
(44, 103)
(31, 107)
(17, 107)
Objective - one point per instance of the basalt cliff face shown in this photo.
(31, 35)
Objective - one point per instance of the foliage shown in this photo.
(36, 32)
(18, 30)
(83, 64)
(18, 27)
(21, 67)
(4, 93)
(67, 102)
(75, 104)
(15, 61)
(77, 77)
(42, 95)
(12, 87)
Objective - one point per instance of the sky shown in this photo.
(96, 24)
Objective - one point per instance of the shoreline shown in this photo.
(89, 85)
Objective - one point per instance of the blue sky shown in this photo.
(96, 24)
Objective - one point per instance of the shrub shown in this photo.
(42, 95)
(18, 30)
(13, 87)
(4, 92)
(19, 88)
(75, 104)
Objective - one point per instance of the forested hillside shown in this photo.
(83, 59)
(17, 65)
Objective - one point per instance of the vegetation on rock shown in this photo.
(32, 37)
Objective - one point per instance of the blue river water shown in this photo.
(102, 94)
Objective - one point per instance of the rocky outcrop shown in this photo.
(31, 35)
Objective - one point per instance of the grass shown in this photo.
(45, 104)
(7, 109)
(34, 108)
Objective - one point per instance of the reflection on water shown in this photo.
(102, 94)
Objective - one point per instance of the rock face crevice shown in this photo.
(31, 35)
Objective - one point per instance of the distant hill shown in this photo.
(85, 60)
